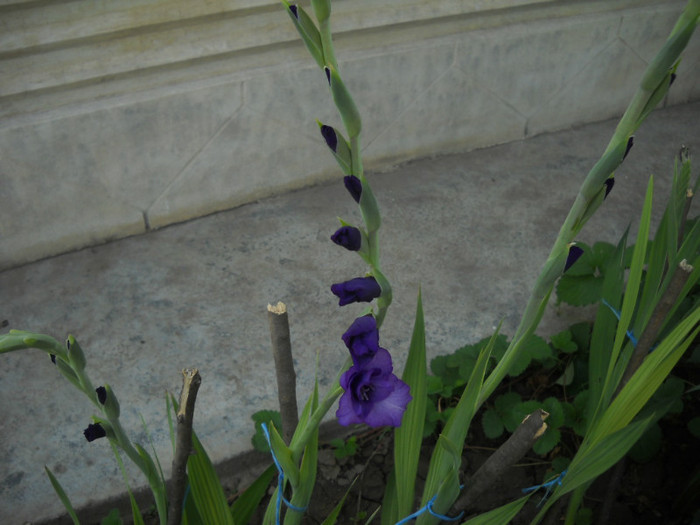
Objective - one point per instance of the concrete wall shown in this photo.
(119, 116)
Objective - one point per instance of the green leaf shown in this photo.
(332, 518)
(113, 518)
(564, 342)
(205, 486)
(264, 416)
(537, 348)
(243, 508)
(62, 496)
(492, 424)
(547, 442)
(308, 32)
(580, 290)
(409, 436)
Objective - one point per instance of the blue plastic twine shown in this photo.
(429, 508)
(631, 336)
(280, 481)
(548, 486)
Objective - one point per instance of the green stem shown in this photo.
(298, 445)
(327, 43)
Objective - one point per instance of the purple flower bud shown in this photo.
(330, 137)
(373, 394)
(328, 74)
(101, 394)
(354, 187)
(609, 183)
(93, 432)
(574, 253)
(293, 9)
(362, 339)
(360, 289)
(53, 358)
(672, 80)
(348, 237)
(630, 143)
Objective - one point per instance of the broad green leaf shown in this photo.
(206, 487)
(580, 290)
(564, 342)
(492, 424)
(62, 496)
(264, 416)
(409, 436)
(113, 518)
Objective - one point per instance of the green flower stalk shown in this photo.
(653, 87)
(70, 361)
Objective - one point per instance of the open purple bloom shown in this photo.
(359, 289)
(93, 432)
(348, 237)
(362, 339)
(354, 187)
(373, 394)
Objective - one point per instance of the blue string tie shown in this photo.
(630, 335)
(280, 481)
(429, 508)
(548, 486)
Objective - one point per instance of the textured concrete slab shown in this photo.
(472, 230)
(138, 122)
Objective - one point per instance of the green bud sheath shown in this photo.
(344, 102)
(111, 406)
(75, 353)
(339, 147)
(322, 9)
(307, 30)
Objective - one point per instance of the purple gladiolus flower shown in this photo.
(359, 289)
(93, 432)
(348, 237)
(101, 394)
(574, 253)
(362, 339)
(354, 186)
(330, 137)
(373, 394)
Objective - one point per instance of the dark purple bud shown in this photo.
(354, 186)
(348, 237)
(53, 358)
(673, 78)
(609, 183)
(293, 9)
(328, 74)
(101, 394)
(93, 432)
(574, 253)
(358, 290)
(362, 339)
(330, 137)
(630, 143)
